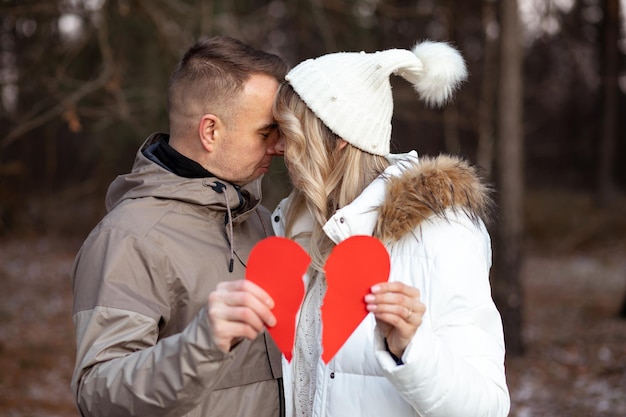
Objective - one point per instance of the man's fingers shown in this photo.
(242, 301)
(236, 314)
(227, 334)
(248, 287)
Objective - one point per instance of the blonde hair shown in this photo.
(325, 176)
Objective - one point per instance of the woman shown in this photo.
(433, 345)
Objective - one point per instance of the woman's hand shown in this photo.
(398, 311)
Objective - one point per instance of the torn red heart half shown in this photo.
(352, 268)
(277, 265)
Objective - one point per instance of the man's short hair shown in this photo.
(210, 77)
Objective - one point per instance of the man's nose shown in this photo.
(278, 148)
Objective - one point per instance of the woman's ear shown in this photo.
(208, 131)
(342, 144)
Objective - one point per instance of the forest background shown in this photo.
(84, 82)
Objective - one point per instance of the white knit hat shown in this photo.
(350, 91)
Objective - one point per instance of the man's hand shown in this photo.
(238, 309)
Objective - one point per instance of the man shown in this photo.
(166, 324)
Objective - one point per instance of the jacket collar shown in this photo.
(169, 158)
(433, 187)
(150, 179)
(408, 193)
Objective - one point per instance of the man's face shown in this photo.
(245, 148)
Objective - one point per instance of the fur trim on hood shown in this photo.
(429, 188)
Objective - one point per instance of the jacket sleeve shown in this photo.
(123, 368)
(121, 373)
(454, 366)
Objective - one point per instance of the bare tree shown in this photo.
(488, 87)
(65, 106)
(610, 54)
(508, 253)
(606, 163)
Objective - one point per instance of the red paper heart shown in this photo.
(352, 268)
(277, 265)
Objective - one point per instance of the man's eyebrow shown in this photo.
(269, 126)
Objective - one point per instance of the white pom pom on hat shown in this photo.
(350, 91)
(444, 69)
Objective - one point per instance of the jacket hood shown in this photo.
(149, 179)
(432, 187)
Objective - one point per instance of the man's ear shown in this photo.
(207, 131)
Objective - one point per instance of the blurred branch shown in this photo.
(70, 101)
(31, 9)
(398, 12)
(385, 9)
(322, 22)
(176, 39)
(206, 18)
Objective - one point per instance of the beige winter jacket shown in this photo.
(141, 282)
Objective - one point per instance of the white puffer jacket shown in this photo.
(429, 216)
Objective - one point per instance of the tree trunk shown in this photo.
(610, 64)
(488, 88)
(451, 137)
(610, 53)
(622, 311)
(508, 253)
